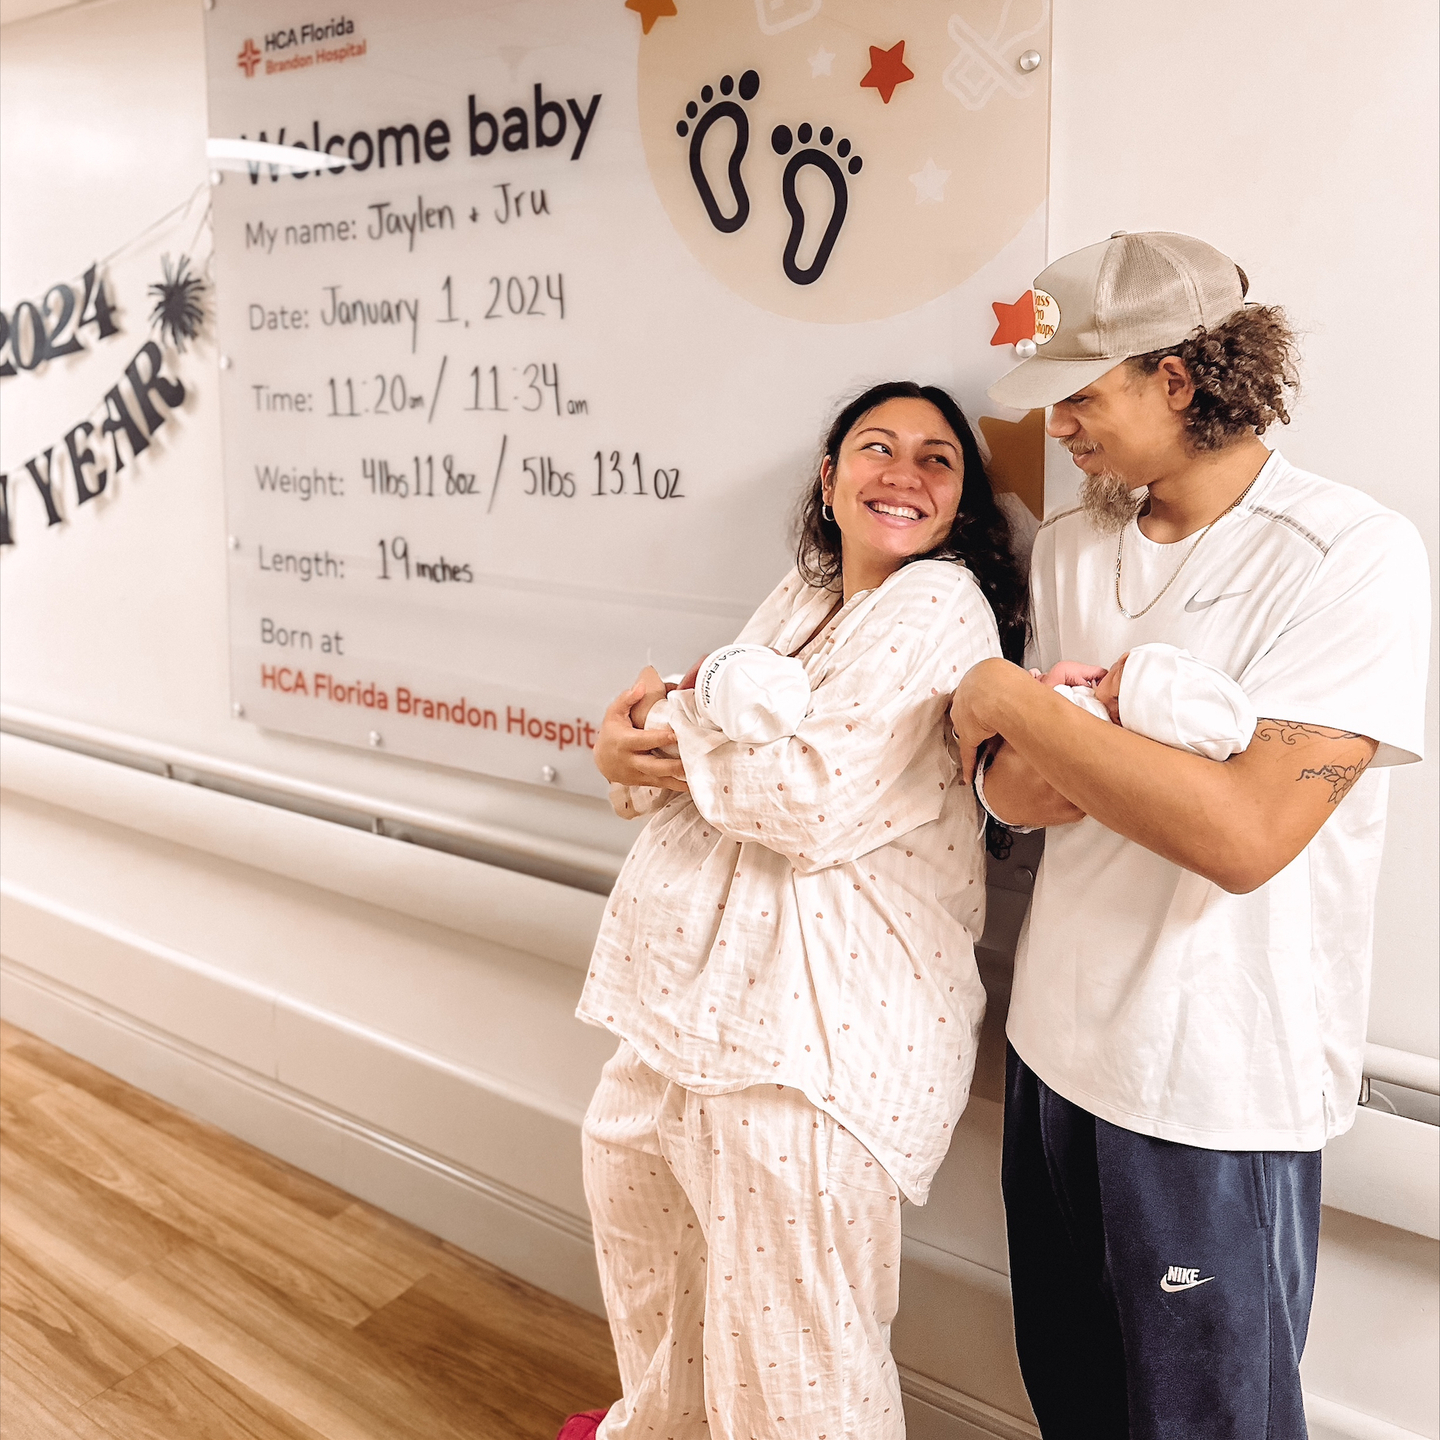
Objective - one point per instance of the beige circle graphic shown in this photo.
(1047, 316)
(804, 189)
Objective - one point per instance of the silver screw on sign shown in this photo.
(549, 774)
(1029, 61)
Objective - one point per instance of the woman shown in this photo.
(787, 958)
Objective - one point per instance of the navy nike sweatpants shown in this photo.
(1160, 1290)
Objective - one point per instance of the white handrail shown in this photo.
(1402, 1067)
(584, 866)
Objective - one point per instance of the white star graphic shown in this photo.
(929, 182)
(820, 63)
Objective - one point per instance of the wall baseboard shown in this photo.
(538, 1242)
(937, 1412)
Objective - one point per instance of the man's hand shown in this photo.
(968, 717)
(1107, 692)
(1014, 790)
(622, 751)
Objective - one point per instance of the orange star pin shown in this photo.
(1016, 322)
(887, 70)
(650, 11)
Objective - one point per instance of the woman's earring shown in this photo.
(827, 514)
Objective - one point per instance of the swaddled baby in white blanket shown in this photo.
(1165, 694)
(1162, 692)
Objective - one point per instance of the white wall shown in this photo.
(205, 947)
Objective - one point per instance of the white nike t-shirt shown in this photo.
(1145, 994)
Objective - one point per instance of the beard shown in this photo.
(1108, 500)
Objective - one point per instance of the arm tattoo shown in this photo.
(1289, 733)
(1341, 777)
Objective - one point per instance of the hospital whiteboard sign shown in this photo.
(520, 383)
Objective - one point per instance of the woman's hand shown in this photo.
(622, 750)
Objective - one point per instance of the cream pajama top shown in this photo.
(806, 915)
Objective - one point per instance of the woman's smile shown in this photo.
(906, 513)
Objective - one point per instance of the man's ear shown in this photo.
(1174, 374)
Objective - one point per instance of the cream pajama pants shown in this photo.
(749, 1251)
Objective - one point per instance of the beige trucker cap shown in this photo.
(1126, 296)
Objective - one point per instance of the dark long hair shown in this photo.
(979, 538)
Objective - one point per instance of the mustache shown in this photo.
(1080, 447)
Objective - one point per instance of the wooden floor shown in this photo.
(161, 1279)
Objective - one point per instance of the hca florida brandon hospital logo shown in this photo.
(282, 47)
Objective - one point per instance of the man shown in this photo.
(1187, 1023)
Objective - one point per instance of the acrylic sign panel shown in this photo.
(519, 394)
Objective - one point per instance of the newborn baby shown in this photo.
(749, 692)
(1159, 691)
(754, 695)
(1165, 694)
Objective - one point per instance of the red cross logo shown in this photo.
(248, 59)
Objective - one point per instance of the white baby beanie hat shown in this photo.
(1171, 696)
(751, 693)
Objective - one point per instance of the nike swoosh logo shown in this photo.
(1195, 603)
(1170, 1289)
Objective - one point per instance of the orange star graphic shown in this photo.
(1016, 322)
(1017, 457)
(887, 70)
(650, 11)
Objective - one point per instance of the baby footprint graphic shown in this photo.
(782, 141)
(698, 128)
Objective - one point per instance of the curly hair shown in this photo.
(979, 538)
(1244, 372)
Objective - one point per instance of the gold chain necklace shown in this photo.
(1175, 575)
